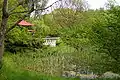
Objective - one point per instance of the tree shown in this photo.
(38, 4)
(106, 32)
(69, 22)
(8, 10)
(68, 13)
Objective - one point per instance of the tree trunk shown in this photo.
(1, 53)
(1, 50)
(2, 35)
(3, 27)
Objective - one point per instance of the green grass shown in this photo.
(11, 71)
(42, 65)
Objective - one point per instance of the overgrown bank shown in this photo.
(89, 42)
(12, 71)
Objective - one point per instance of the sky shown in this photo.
(94, 4)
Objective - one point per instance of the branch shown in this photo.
(49, 5)
(29, 12)
(35, 9)
(4, 8)
(19, 12)
(110, 55)
(18, 22)
(32, 9)
(16, 6)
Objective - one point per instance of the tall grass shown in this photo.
(47, 63)
(11, 71)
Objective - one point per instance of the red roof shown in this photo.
(24, 23)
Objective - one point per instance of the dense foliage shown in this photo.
(90, 32)
(89, 41)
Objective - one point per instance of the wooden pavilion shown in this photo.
(26, 24)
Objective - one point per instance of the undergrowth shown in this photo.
(11, 71)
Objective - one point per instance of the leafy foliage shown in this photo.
(89, 41)
(11, 71)
(107, 33)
